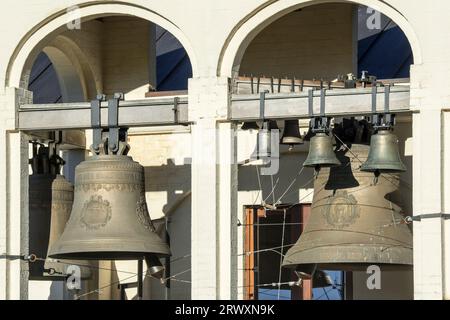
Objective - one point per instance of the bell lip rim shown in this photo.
(108, 255)
(288, 143)
(383, 170)
(323, 165)
(161, 251)
(325, 266)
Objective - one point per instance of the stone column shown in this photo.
(429, 185)
(214, 191)
(13, 198)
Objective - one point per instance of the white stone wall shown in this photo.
(215, 35)
(293, 45)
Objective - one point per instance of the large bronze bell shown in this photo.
(50, 202)
(384, 155)
(291, 134)
(109, 219)
(321, 152)
(354, 221)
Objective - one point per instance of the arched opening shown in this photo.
(325, 41)
(104, 56)
(296, 48)
(114, 52)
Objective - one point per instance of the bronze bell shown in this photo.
(263, 149)
(109, 219)
(354, 222)
(321, 152)
(291, 134)
(251, 125)
(50, 202)
(384, 155)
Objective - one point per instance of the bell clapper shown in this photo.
(376, 174)
(316, 171)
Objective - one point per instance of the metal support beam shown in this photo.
(138, 113)
(339, 103)
(173, 110)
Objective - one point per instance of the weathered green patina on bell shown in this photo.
(291, 134)
(384, 155)
(321, 153)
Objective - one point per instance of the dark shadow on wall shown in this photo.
(289, 167)
(176, 181)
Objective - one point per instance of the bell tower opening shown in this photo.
(324, 48)
(112, 53)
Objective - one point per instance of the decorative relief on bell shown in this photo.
(353, 222)
(96, 213)
(108, 187)
(142, 214)
(110, 215)
(341, 210)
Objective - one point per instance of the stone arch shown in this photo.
(243, 33)
(76, 78)
(42, 33)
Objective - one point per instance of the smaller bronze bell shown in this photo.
(155, 267)
(384, 155)
(321, 152)
(263, 148)
(291, 134)
(50, 203)
(251, 125)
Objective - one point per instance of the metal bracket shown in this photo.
(321, 123)
(175, 109)
(55, 161)
(262, 104)
(96, 122)
(389, 121)
(311, 102)
(386, 120)
(113, 122)
(445, 216)
(322, 103)
(375, 117)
